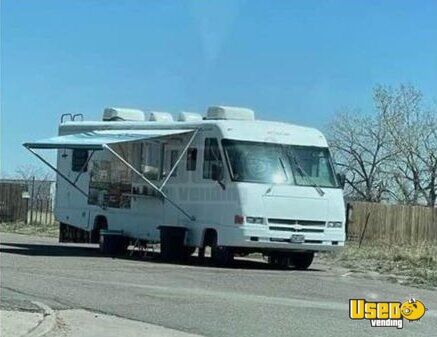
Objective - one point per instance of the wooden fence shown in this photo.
(391, 223)
(18, 209)
(12, 205)
(41, 212)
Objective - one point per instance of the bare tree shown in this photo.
(412, 130)
(360, 146)
(28, 173)
(391, 153)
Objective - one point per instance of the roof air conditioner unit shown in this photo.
(156, 116)
(122, 114)
(230, 112)
(189, 117)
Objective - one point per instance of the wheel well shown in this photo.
(209, 236)
(100, 222)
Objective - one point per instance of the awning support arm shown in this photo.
(57, 171)
(189, 216)
(190, 141)
(83, 166)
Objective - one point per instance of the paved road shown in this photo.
(249, 299)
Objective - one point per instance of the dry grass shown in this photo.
(407, 264)
(38, 229)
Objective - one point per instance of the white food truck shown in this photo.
(225, 181)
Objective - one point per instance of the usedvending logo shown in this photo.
(386, 314)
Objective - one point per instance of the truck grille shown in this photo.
(275, 221)
(296, 230)
(318, 242)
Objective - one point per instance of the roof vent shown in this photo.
(122, 114)
(189, 117)
(156, 116)
(230, 112)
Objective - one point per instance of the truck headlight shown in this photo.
(255, 220)
(335, 224)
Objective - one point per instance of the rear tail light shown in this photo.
(241, 219)
(238, 219)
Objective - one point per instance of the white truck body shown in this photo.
(265, 199)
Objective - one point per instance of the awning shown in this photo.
(95, 140)
(98, 140)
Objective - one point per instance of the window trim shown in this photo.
(217, 143)
(174, 154)
(189, 165)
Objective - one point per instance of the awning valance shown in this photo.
(94, 140)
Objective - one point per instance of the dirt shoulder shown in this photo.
(49, 230)
(413, 265)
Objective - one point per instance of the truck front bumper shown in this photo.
(262, 238)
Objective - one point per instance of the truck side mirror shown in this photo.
(341, 178)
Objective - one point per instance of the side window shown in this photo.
(191, 159)
(152, 158)
(173, 158)
(79, 160)
(211, 155)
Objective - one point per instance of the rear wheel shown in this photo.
(302, 261)
(221, 255)
(100, 223)
(172, 243)
(112, 243)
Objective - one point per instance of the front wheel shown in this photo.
(302, 261)
(279, 260)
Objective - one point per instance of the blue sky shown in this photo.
(296, 61)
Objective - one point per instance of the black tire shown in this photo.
(172, 243)
(201, 254)
(279, 260)
(187, 252)
(95, 235)
(124, 246)
(302, 261)
(113, 245)
(100, 223)
(220, 255)
(102, 244)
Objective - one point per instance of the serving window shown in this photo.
(111, 180)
